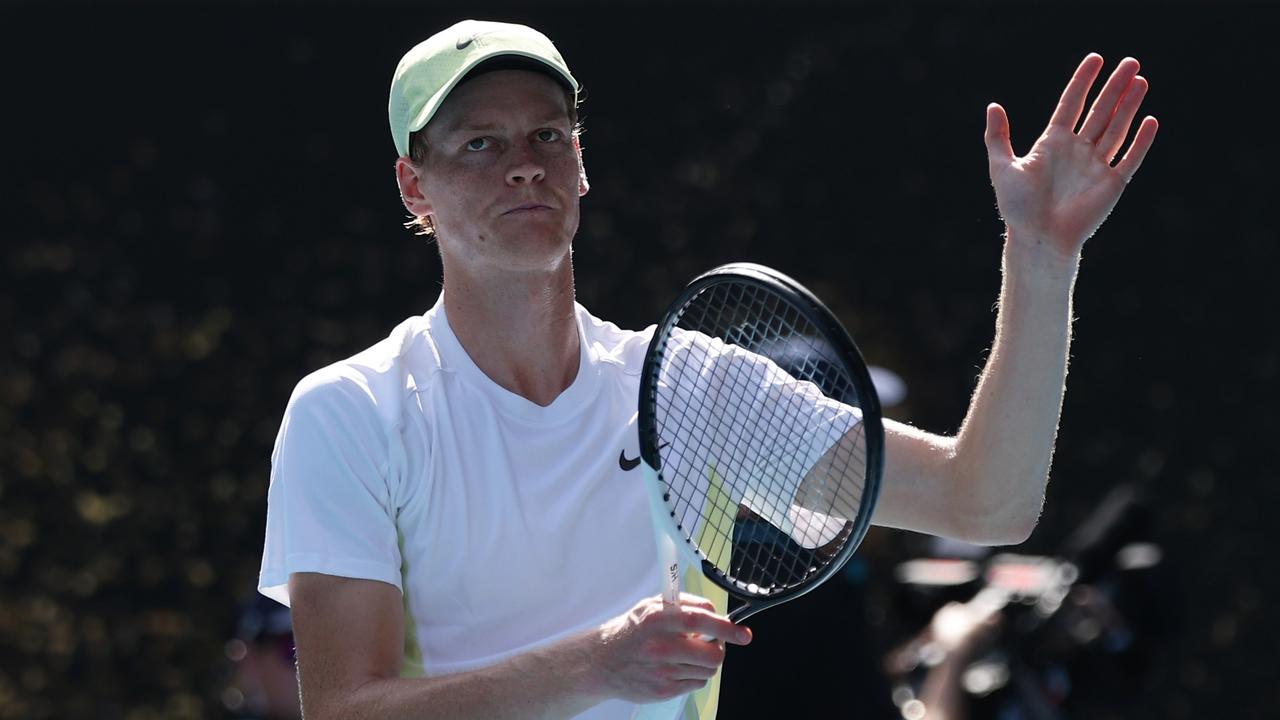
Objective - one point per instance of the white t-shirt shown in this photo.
(505, 524)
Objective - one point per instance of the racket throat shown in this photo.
(744, 611)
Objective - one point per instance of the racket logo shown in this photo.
(673, 572)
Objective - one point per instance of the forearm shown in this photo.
(1004, 447)
(350, 637)
(558, 681)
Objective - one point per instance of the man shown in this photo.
(447, 516)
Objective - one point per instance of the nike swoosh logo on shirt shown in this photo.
(627, 464)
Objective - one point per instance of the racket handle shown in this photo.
(669, 563)
(663, 534)
(670, 573)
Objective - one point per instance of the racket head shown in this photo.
(744, 315)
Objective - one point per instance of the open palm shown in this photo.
(1062, 190)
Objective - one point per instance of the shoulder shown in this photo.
(610, 343)
(374, 381)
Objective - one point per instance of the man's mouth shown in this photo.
(527, 207)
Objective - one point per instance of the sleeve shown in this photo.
(330, 507)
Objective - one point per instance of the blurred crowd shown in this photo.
(226, 221)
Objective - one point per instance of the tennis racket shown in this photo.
(761, 440)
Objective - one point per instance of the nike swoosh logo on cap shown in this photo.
(463, 42)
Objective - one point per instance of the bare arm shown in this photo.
(350, 637)
(986, 484)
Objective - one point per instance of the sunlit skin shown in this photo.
(987, 484)
(501, 181)
(1065, 186)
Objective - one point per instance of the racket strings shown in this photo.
(719, 398)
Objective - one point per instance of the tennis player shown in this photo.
(454, 516)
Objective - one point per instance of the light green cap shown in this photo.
(427, 73)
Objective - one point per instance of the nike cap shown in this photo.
(427, 73)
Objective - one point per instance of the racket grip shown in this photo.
(669, 564)
(670, 573)
(663, 529)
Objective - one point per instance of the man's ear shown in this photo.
(408, 177)
(583, 185)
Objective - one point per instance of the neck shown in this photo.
(518, 327)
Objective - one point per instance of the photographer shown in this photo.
(1038, 637)
(263, 683)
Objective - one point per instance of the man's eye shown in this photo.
(479, 143)
(549, 135)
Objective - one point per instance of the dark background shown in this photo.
(200, 208)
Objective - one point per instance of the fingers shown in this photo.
(672, 688)
(700, 673)
(1146, 135)
(1111, 140)
(1110, 117)
(688, 599)
(1112, 114)
(736, 635)
(1104, 106)
(703, 621)
(999, 148)
(1071, 104)
(656, 651)
(688, 650)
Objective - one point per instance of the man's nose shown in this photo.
(525, 168)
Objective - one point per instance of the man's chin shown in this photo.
(537, 248)
(537, 229)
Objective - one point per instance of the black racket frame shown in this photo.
(847, 353)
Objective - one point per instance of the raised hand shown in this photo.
(1059, 193)
(654, 653)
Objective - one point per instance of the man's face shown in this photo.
(503, 173)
